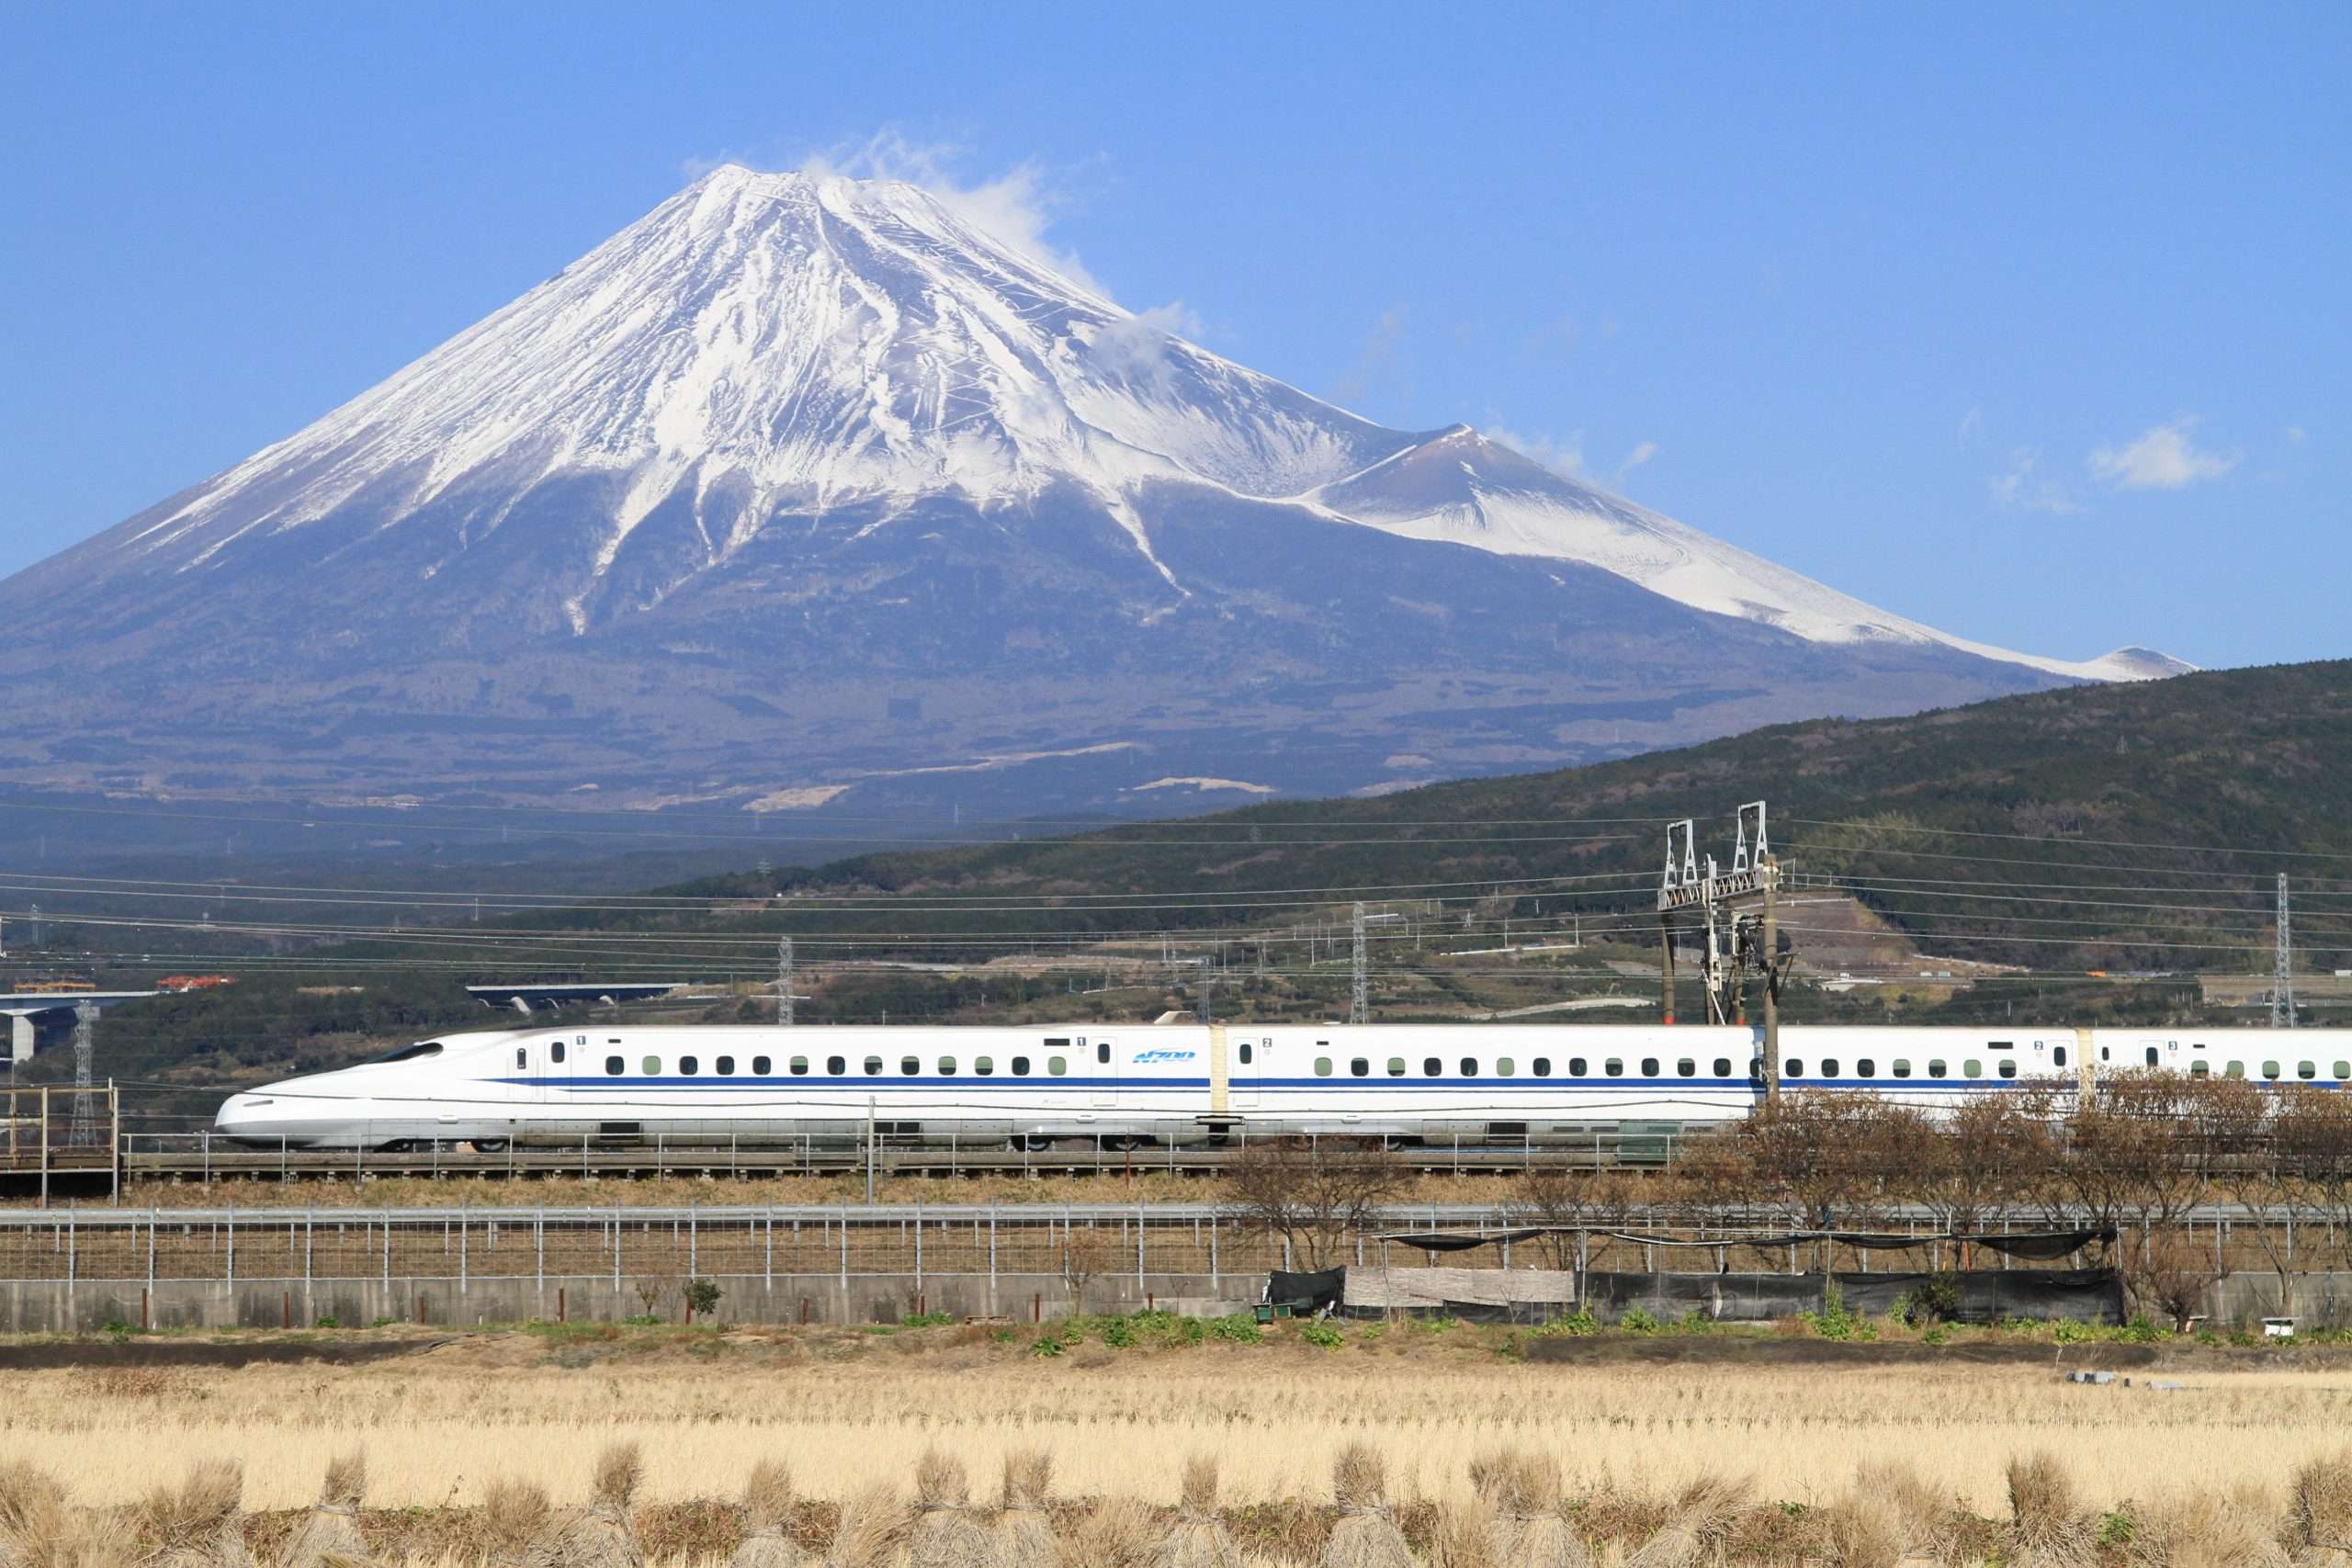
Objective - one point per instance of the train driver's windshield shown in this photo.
(408, 1054)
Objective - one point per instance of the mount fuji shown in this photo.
(802, 488)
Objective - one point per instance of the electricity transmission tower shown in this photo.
(85, 1131)
(1359, 989)
(784, 979)
(2282, 987)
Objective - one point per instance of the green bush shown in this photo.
(1322, 1335)
(1638, 1322)
(924, 1319)
(1832, 1321)
(1240, 1329)
(644, 1320)
(702, 1296)
(1047, 1346)
(1576, 1325)
(327, 1320)
(1119, 1333)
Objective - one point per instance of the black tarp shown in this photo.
(2039, 1245)
(1323, 1289)
(2087, 1295)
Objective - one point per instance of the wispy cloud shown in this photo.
(1379, 351)
(2164, 458)
(1971, 427)
(1136, 347)
(2295, 434)
(2025, 488)
(1642, 453)
(1562, 454)
(1016, 207)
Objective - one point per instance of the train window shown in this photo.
(1687, 1068)
(522, 1057)
(725, 1066)
(1866, 1068)
(2307, 1070)
(1246, 1057)
(873, 1067)
(1577, 1066)
(1052, 1044)
(836, 1066)
(1543, 1067)
(1505, 1066)
(1902, 1067)
(1649, 1066)
(946, 1066)
(2234, 1070)
(762, 1067)
(1322, 1067)
(1722, 1068)
(688, 1067)
(1972, 1069)
(799, 1066)
(2199, 1070)
(1937, 1069)
(2008, 1066)
(2152, 1056)
(1020, 1066)
(1613, 1068)
(651, 1066)
(2343, 1071)
(1433, 1067)
(2058, 1055)
(2270, 1069)
(1829, 1067)
(1056, 1066)
(410, 1053)
(1793, 1069)
(2107, 1053)
(1755, 1070)
(2001, 1044)
(555, 1052)
(984, 1065)
(1470, 1067)
(613, 1065)
(1395, 1067)
(1103, 1051)
(911, 1066)
(1359, 1067)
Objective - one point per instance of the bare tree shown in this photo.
(2175, 1274)
(1994, 1150)
(1085, 1254)
(2140, 1150)
(1565, 1200)
(1313, 1193)
(1824, 1159)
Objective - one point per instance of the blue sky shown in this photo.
(2026, 320)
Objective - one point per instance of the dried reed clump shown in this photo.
(38, 1528)
(945, 1534)
(1366, 1535)
(1891, 1517)
(1024, 1533)
(1467, 1536)
(2048, 1526)
(514, 1516)
(1122, 1532)
(767, 1509)
(1200, 1539)
(1524, 1494)
(602, 1534)
(871, 1525)
(196, 1523)
(2198, 1529)
(2319, 1510)
(330, 1534)
(1698, 1518)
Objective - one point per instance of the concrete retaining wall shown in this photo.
(54, 1306)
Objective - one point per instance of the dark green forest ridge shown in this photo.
(2054, 814)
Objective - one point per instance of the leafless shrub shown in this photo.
(2047, 1526)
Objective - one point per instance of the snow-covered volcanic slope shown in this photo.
(795, 456)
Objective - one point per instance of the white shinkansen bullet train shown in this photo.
(1187, 1083)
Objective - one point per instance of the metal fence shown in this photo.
(622, 1245)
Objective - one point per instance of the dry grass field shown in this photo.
(845, 1409)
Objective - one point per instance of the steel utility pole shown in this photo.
(1719, 900)
(85, 1130)
(784, 978)
(1359, 989)
(2282, 987)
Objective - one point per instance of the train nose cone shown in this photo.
(243, 1116)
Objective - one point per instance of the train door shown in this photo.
(1248, 1061)
(1102, 1067)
